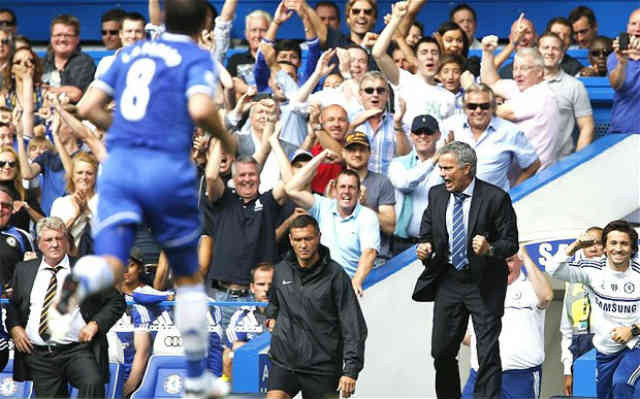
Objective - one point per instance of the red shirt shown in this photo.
(326, 171)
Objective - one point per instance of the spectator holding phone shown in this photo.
(624, 75)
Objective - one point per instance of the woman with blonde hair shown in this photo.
(77, 208)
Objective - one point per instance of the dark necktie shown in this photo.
(48, 300)
(459, 244)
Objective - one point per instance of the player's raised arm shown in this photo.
(93, 108)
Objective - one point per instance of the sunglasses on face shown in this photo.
(5, 42)
(23, 62)
(371, 90)
(11, 164)
(474, 106)
(7, 23)
(600, 53)
(110, 32)
(358, 11)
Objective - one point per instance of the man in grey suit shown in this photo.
(467, 232)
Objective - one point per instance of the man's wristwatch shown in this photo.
(635, 331)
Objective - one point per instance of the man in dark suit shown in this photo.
(467, 232)
(80, 357)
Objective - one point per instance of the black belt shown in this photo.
(463, 276)
(54, 347)
(222, 286)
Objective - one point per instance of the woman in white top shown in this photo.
(78, 208)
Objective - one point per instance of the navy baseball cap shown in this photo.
(424, 124)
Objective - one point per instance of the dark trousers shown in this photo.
(74, 364)
(457, 298)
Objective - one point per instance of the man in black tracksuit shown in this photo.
(317, 345)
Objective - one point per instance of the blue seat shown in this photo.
(584, 375)
(113, 389)
(164, 378)
(13, 389)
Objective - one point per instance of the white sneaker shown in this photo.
(206, 387)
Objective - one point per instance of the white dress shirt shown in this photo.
(39, 290)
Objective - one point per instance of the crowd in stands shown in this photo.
(348, 134)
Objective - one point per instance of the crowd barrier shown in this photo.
(545, 229)
(494, 16)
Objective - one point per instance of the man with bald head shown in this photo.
(530, 103)
(333, 129)
(624, 76)
(523, 35)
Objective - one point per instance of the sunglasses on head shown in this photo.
(600, 53)
(11, 164)
(371, 90)
(474, 106)
(111, 32)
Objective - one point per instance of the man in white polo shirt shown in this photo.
(530, 102)
(522, 336)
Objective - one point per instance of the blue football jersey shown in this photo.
(151, 82)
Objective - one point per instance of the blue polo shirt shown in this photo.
(347, 237)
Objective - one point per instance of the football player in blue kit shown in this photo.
(161, 88)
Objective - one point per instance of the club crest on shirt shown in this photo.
(12, 242)
(629, 287)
